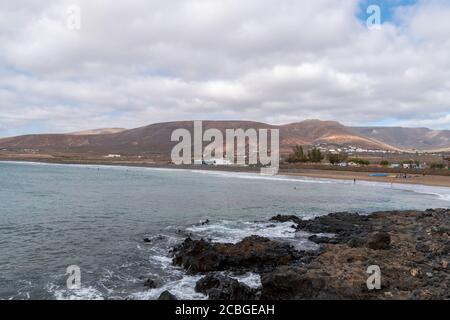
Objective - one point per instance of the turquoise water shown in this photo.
(53, 216)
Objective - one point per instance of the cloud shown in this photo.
(138, 62)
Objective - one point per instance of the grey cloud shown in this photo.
(138, 62)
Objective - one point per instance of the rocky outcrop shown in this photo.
(219, 287)
(411, 249)
(251, 254)
(151, 283)
(379, 241)
(166, 295)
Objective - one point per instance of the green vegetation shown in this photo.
(335, 158)
(314, 155)
(411, 162)
(438, 166)
(360, 162)
(297, 155)
(384, 163)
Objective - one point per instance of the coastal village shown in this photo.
(336, 156)
(354, 157)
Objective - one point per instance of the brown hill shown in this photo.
(422, 139)
(97, 131)
(330, 132)
(155, 138)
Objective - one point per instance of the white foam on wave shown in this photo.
(87, 293)
(91, 166)
(183, 289)
(443, 193)
(162, 261)
(256, 176)
(253, 280)
(181, 285)
(226, 231)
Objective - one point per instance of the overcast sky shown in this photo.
(137, 62)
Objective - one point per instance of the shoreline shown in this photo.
(427, 180)
(432, 181)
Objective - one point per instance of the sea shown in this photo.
(54, 216)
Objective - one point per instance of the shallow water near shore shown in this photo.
(53, 216)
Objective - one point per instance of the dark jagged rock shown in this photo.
(252, 254)
(166, 295)
(286, 218)
(379, 241)
(219, 287)
(288, 283)
(346, 227)
(151, 284)
(318, 239)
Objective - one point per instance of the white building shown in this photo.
(218, 162)
(213, 162)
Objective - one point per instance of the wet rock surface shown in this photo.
(219, 287)
(167, 295)
(151, 283)
(410, 248)
(251, 254)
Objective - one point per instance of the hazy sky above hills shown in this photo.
(137, 62)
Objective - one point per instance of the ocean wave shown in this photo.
(257, 176)
(442, 193)
(183, 289)
(226, 231)
(87, 293)
(253, 280)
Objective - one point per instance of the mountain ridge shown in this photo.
(155, 138)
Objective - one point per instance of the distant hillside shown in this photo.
(330, 132)
(422, 139)
(97, 131)
(155, 138)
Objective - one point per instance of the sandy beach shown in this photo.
(429, 180)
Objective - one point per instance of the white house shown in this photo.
(113, 156)
(218, 162)
(213, 162)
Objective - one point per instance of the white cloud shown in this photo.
(139, 61)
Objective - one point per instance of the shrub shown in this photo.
(336, 157)
(437, 166)
(297, 155)
(314, 155)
